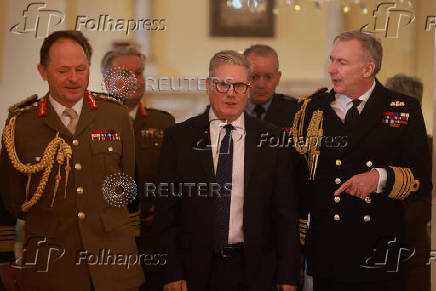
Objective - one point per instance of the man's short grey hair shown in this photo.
(371, 47)
(228, 57)
(120, 49)
(262, 50)
(410, 86)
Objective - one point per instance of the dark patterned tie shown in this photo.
(224, 171)
(259, 111)
(352, 115)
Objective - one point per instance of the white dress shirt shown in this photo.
(132, 113)
(59, 109)
(217, 133)
(340, 105)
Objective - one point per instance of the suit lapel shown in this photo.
(202, 145)
(250, 151)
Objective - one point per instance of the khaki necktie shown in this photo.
(73, 121)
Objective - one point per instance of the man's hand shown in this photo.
(11, 277)
(360, 185)
(176, 286)
(284, 287)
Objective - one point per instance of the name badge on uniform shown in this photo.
(105, 134)
(395, 119)
(152, 132)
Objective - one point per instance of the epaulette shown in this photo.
(316, 92)
(24, 105)
(109, 97)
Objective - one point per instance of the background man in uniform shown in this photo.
(264, 103)
(370, 158)
(70, 222)
(235, 228)
(123, 69)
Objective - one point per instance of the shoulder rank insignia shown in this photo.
(24, 104)
(317, 91)
(42, 107)
(108, 97)
(91, 100)
(142, 109)
(397, 103)
(395, 119)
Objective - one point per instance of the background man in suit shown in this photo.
(226, 211)
(264, 103)
(123, 69)
(70, 141)
(366, 156)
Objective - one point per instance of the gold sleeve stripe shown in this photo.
(7, 228)
(404, 183)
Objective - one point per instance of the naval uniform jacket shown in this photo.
(82, 229)
(348, 237)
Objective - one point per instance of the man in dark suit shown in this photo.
(225, 212)
(367, 156)
(264, 103)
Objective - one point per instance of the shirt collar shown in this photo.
(59, 108)
(250, 106)
(216, 123)
(132, 113)
(346, 102)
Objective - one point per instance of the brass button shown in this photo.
(368, 199)
(367, 218)
(369, 164)
(110, 149)
(79, 190)
(38, 159)
(78, 166)
(81, 215)
(338, 163)
(337, 217)
(337, 199)
(337, 180)
(156, 144)
(75, 142)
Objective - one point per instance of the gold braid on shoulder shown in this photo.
(57, 146)
(308, 147)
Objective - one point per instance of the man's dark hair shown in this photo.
(74, 35)
(407, 85)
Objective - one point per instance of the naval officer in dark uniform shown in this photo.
(123, 69)
(366, 156)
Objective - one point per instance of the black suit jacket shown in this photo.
(184, 220)
(352, 247)
(281, 111)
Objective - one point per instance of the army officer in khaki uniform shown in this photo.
(123, 72)
(56, 154)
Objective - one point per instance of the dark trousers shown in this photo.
(227, 274)
(320, 284)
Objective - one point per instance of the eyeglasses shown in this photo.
(238, 88)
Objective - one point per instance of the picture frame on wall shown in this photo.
(242, 18)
